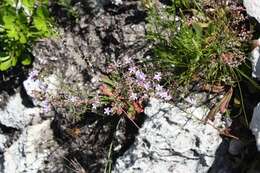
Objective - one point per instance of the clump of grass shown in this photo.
(196, 42)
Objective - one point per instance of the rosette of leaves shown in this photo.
(22, 22)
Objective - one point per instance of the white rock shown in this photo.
(31, 86)
(53, 84)
(171, 140)
(255, 54)
(255, 125)
(253, 8)
(117, 2)
(29, 152)
(15, 114)
(3, 140)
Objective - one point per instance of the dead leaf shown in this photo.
(221, 106)
(105, 90)
(137, 106)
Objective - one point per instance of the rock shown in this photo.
(30, 151)
(255, 125)
(255, 54)
(253, 8)
(235, 147)
(117, 2)
(3, 140)
(16, 114)
(171, 140)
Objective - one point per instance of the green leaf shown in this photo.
(4, 57)
(6, 64)
(28, 5)
(40, 24)
(131, 111)
(14, 61)
(22, 38)
(198, 29)
(26, 58)
(9, 17)
(10, 2)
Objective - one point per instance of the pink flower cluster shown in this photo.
(148, 83)
(134, 86)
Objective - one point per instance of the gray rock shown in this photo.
(3, 140)
(171, 140)
(253, 8)
(255, 125)
(15, 114)
(255, 54)
(30, 151)
(235, 147)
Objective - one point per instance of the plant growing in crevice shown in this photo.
(22, 23)
(202, 42)
(196, 44)
(123, 91)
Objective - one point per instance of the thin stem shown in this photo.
(241, 95)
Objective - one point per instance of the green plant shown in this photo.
(195, 43)
(22, 22)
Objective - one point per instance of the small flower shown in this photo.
(140, 83)
(73, 99)
(46, 106)
(94, 106)
(95, 102)
(33, 74)
(132, 69)
(108, 111)
(158, 88)
(168, 97)
(157, 76)
(133, 96)
(164, 95)
(147, 85)
(127, 60)
(140, 75)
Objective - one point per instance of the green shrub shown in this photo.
(22, 22)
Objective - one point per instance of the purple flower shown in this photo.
(46, 106)
(132, 69)
(127, 60)
(168, 97)
(133, 96)
(158, 88)
(140, 75)
(164, 95)
(73, 99)
(108, 111)
(147, 85)
(33, 74)
(94, 105)
(157, 76)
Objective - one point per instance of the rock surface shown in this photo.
(171, 140)
(255, 59)
(16, 114)
(255, 125)
(30, 151)
(252, 8)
